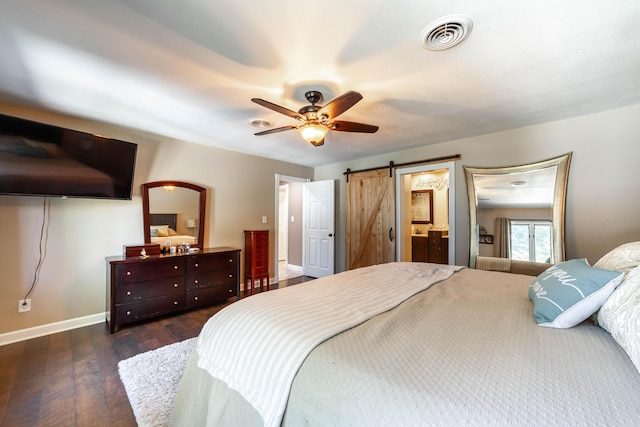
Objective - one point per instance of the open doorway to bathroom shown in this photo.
(425, 202)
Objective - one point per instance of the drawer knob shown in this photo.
(128, 313)
(128, 273)
(195, 298)
(196, 264)
(175, 285)
(231, 275)
(230, 260)
(196, 282)
(175, 303)
(128, 292)
(230, 291)
(175, 267)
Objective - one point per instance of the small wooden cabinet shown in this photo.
(144, 288)
(438, 247)
(256, 259)
(419, 248)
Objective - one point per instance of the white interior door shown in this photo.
(319, 230)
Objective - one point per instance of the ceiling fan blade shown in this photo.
(279, 109)
(339, 105)
(341, 125)
(275, 130)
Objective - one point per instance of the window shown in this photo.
(531, 240)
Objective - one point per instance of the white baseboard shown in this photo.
(296, 268)
(51, 328)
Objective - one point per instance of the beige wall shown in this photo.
(602, 203)
(603, 199)
(82, 232)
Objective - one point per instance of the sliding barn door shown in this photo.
(370, 218)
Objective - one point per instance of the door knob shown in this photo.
(330, 234)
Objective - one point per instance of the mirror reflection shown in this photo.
(517, 213)
(173, 213)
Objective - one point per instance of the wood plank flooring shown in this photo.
(71, 378)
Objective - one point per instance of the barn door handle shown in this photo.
(391, 234)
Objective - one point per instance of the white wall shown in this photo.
(603, 199)
(82, 232)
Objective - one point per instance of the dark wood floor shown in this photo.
(71, 378)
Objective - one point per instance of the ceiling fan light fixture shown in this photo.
(313, 132)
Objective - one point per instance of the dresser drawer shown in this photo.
(207, 279)
(260, 238)
(151, 308)
(144, 271)
(140, 291)
(203, 263)
(204, 297)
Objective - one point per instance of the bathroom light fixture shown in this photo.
(169, 187)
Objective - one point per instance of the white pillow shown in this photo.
(623, 258)
(620, 315)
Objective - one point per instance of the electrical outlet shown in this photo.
(24, 305)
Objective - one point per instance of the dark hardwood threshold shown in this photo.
(71, 378)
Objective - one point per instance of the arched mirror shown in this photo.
(517, 212)
(174, 212)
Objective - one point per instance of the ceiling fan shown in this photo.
(317, 120)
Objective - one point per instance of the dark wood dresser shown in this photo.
(144, 288)
(256, 259)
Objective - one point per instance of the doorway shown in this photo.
(288, 231)
(308, 227)
(440, 178)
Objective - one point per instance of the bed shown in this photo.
(163, 230)
(442, 346)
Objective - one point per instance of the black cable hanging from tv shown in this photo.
(44, 234)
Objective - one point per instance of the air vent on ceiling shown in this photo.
(259, 123)
(446, 32)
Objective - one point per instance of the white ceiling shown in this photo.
(188, 69)
(530, 189)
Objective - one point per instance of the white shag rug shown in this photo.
(151, 381)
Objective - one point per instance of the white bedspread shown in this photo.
(257, 344)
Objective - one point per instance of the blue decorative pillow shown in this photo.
(154, 232)
(569, 292)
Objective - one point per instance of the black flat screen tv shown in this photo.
(37, 159)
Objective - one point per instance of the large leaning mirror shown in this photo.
(174, 212)
(517, 212)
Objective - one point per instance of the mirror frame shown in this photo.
(145, 207)
(430, 207)
(558, 209)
